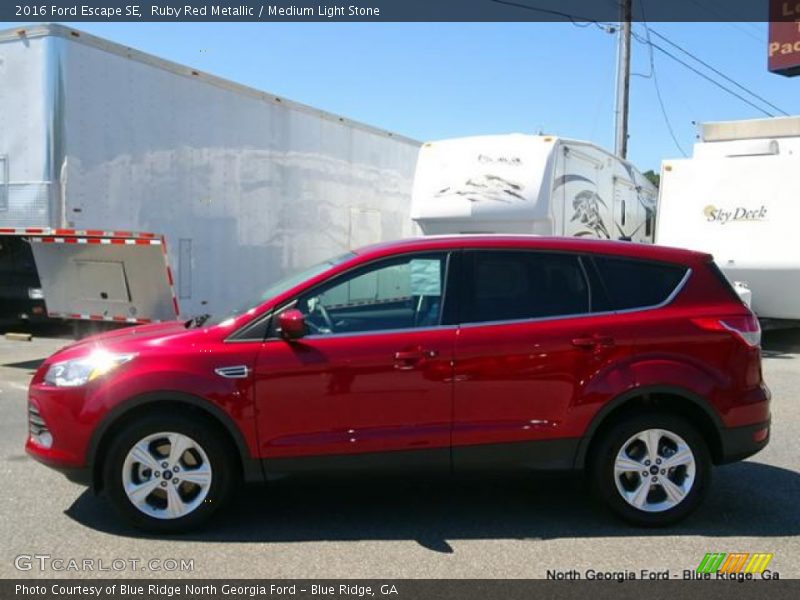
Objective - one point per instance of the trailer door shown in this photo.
(122, 278)
(585, 210)
(626, 210)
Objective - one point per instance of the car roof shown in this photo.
(535, 242)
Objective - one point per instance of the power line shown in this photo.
(718, 72)
(546, 11)
(701, 74)
(576, 20)
(658, 95)
(725, 13)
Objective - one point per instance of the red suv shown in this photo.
(637, 364)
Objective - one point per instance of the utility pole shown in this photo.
(623, 79)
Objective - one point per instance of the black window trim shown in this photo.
(255, 326)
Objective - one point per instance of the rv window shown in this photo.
(502, 285)
(637, 283)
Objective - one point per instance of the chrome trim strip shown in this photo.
(233, 372)
(326, 336)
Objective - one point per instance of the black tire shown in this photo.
(220, 453)
(602, 474)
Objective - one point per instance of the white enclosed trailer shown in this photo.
(531, 184)
(98, 141)
(738, 198)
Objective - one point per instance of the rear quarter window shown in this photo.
(630, 283)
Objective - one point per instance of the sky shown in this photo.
(433, 81)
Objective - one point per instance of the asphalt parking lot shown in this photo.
(508, 528)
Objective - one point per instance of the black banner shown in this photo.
(395, 10)
(399, 589)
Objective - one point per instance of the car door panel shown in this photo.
(371, 376)
(355, 394)
(536, 380)
(521, 366)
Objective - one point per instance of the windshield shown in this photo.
(280, 287)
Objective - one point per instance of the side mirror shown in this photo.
(292, 324)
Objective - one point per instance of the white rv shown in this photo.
(531, 184)
(112, 160)
(738, 198)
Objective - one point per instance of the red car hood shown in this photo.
(129, 339)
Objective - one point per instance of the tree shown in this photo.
(653, 177)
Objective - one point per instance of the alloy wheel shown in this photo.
(654, 470)
(166, 475)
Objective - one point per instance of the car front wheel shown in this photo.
(168, 474)
(652, 469)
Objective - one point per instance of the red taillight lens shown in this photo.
(744, 327)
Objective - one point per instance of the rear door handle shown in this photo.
(593, 342)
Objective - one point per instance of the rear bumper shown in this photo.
(737, 443)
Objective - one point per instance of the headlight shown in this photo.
(72, 373)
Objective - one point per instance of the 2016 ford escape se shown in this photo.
(637, 364)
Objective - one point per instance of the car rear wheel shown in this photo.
(167, 474)
(652, 469)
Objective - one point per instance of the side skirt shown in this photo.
(543, 455)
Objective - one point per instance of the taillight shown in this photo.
(744, 327)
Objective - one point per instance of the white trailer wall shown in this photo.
(245, 186)
(26, 131)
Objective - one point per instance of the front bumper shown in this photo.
(59, 412)
(737, 443)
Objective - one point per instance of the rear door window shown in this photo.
(501, 285)
(630, 283)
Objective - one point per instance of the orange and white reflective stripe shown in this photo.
(99, 241)
(95, 317)
(170, 278)
(55, 232)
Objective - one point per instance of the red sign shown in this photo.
(784, 37)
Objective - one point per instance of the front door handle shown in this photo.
(593, 342)
(405, 360)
